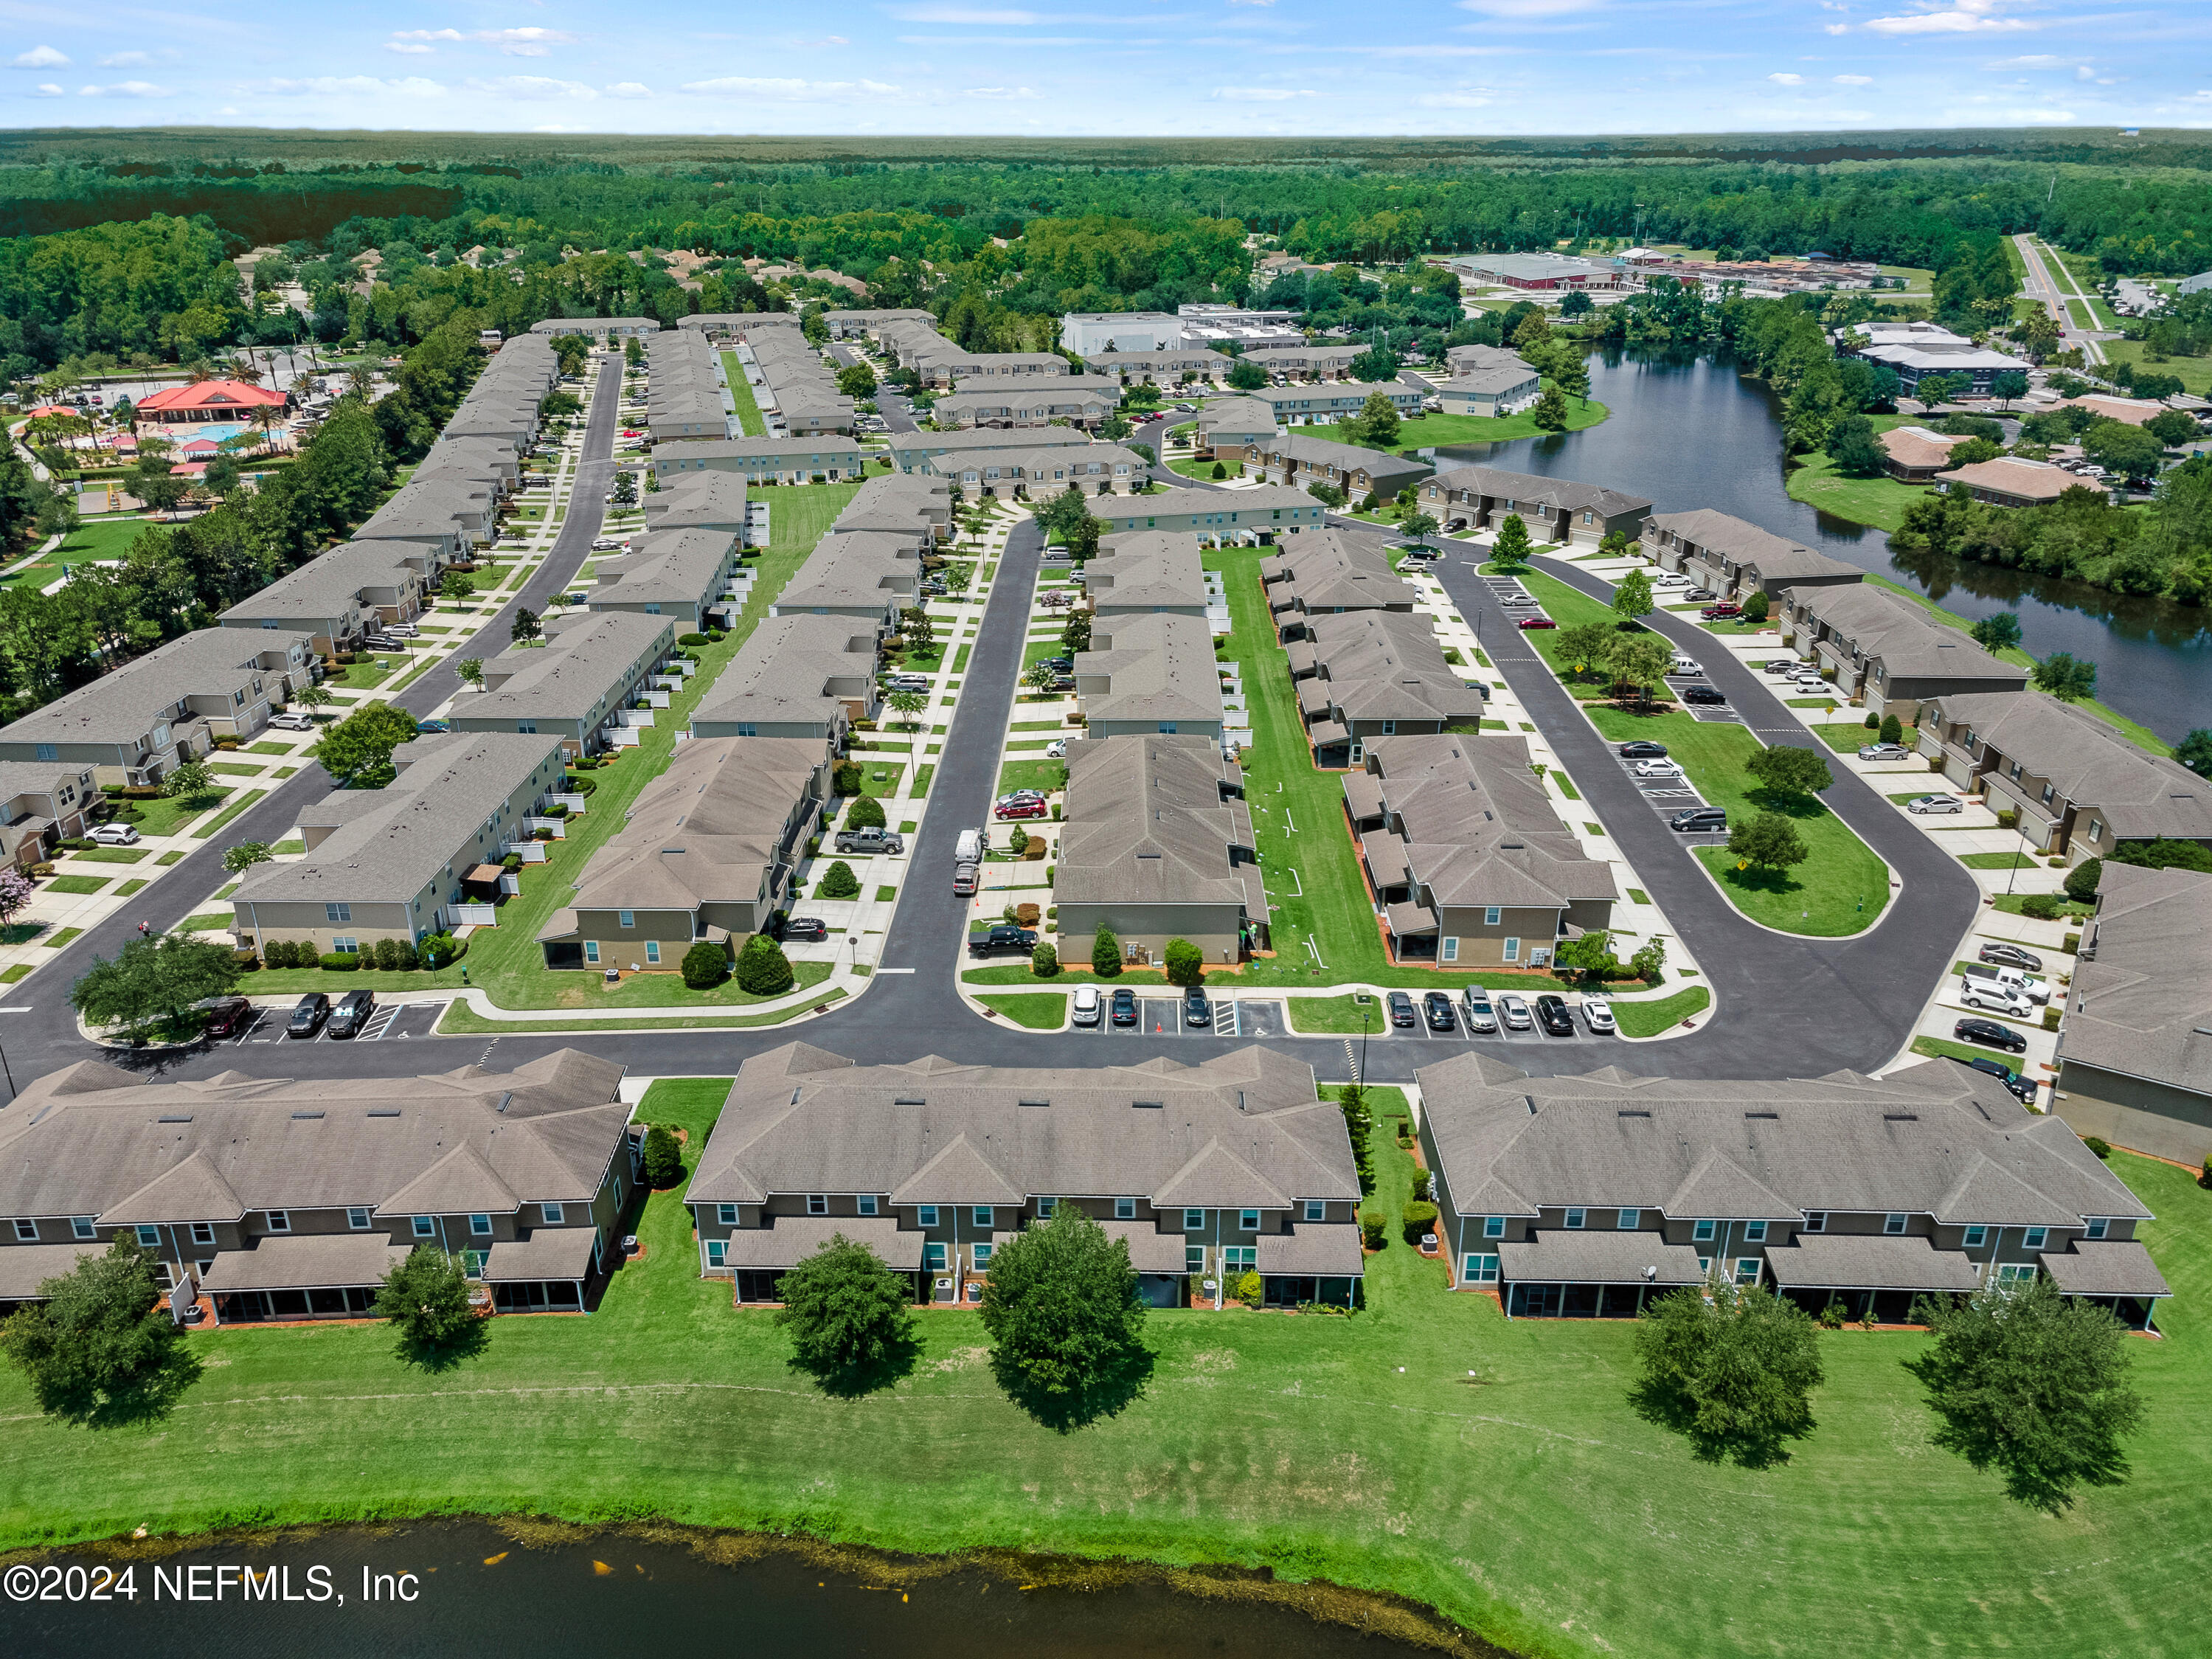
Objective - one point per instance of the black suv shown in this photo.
(1552, 1014)
(352, 1013)
(307, 1018)
(1991, 1034)
(1196, 1009)
(1005, 936)
(1438, 1008)
(1402, 1010)
(1703, 693)
(806, 927)
(1125, 1006)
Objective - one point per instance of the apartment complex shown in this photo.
(1732, 556)
(798, 459)
(577, 685)
(796, 677)
(1482, 498)
(1149, 673)
(1221, 516)
(1145, 573)
(686, 397)
(1331, 573)
(1364, 674)
(1077, 400)
(684, 574)
(1295, 458)
(41, 803)
(1886, 650)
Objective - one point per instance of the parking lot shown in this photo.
(1250, 1020)
(1668, 795)
(391, 1020)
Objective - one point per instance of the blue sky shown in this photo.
(1182, 67)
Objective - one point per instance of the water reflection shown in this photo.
(1689, 431)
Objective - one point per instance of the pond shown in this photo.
(1689, 432)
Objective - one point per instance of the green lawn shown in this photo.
(1045, 774)
(1843, 886)
(200, 832)
(1946, 1049)
(1642, 1020)
(164, 815)
(100, 538)
(741, 391)
(1041, 1011)
(2195, 373)
(1569, 607)
(112, 855)
(1881, 502)
(1529, 1501)
(14, 971)
(130, 887)
(61, 938)
(2000, 862)
(1432, 431)
(1849, 737)
(77, 883)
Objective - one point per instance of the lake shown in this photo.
(1690, 432)
(466, 1588)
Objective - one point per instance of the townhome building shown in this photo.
(1152, 673)
(1296, 459)
(703, 501)
(493, 459)
(866, 324)
(394, 863)
(792, 460)
(1231, 429)
(1586, 1196)
(1498, 389)
(1172, 366)
(1158, 845)
(1144, 573)
(710, 851)
(1362, 675)
(801, 397)
(741, 325)
(41, 803)
(943, 453)
(289, 1200)
(794, 676)
(1208, 1172)
(450, 517)
(1482, 498)
(1885, 651)
(135, 724)
(2075, 787)
(599, 331)
(1461, 360)
(340, 594)
(1469, 862)
(1732, 556)
(1330, 573)
(686, 395)
(1304, 405)
(1306, 360)
(1083, 401)
(999, 474)
(914, 506)
(684, 574)
(2134, 1048)
(867, 575)
(577, 685)
(1264, 515)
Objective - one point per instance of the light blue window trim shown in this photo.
(726, 1214)
(1493, 1226)
(716, 1252)
(1479, 1269)
(425, 1226)
(925, 1215)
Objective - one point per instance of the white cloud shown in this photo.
(826, 41)
(1855, 80)
(125, 60)
(47, 90)
(1787, 80)
(125, 89)
(532, 85)
(1960, 17)
(2036, 60)
(38, 57)
(786, 90)
(530, 42)
(997, 92)
(629, 89)
(411, 47)
(1837, 28)
(1262, 95)
(359, 86)
(1251, 3)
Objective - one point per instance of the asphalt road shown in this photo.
(2048, 288)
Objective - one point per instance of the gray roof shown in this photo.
(823, 448)
(2143, 1007)
(1147, 824)
(2140, 795)
(1240, 1130)
(910, 446)
(1471, 359)
(708, 499)
(1155, 667)
(307, 1262)
(21, 778)
(792, 1238)
(1141, 569)
(906, 503)
(391, 843)
(1600, 1257)
(1310, 452)
(872, 567)
(783, 672)
(1941, 1140)
(1565, 494)
(24, 1268)
(1387, 665)
(1900, 634)
(1503, 376)
(1332, 570)
(2110, 1266)
(93, 1139)
(547, 1253)
(123, 706)
(332, 583)
(568, 677)
(1238, 415)
(1871, 1262)
(669, 566)
(1741, 542)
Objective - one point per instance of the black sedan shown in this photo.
(1438, 1008)
(806, 927)
(1125, 1007)
(307, 1018)
(1196, 1009)
(2019, 1088)
(1402, 1010)
(1991, 1034)
(1642, 748)
(1703, 693)
(1552, 1014)
(2011, 956)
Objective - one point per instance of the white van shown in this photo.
(969, 849)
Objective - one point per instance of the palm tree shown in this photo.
(265, 416)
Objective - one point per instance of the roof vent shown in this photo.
(296, 1116)
(1900, 1117)
(1633, 1111)
(910, 1100)
(384, 1111)
(503, 1100)
(1777, 1117)
(174, 1117)
(1033, 1103)
(1150, 1105)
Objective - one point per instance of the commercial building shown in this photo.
(393, 863)
(2008, 481)
(1090, 333)
(1216, 325)
(1148, 674)
(1482, 498)
(1328, 573)
(1535, 272)
(228, 403)
(1732, 556)
(1886, 650)
(2078, 789)
(1375, 673)
(684, 574)
(1583, 1196)
(792, 460)
(1220, 1169)
(133, 725)
(1469, 862)
(1157, 846)
(2134, 1051)
(710, 851)
(576, 685)
(291, 1200)
(1918, 350)
(795, 676)
(1294, 459)
(1913, 454)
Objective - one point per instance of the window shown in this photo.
(1048, 1209)
(1449, 952)
(817, 1204)
(1480, 1270)
(1747, 1270)
(26, 1232)
(1248, 1221)
(1754, 1232)
(982, 1215)
(1512, 952)
(48, 751)
(2096, 828)
(653, 611)
(1125, 1209)
(1493, 1226)
(726, 1214)
(338, 913)
(2097, 1227)
(1491, 915)
(925, 1215)
(2035, 1236)
(480, 1226)
(1703, 1232)
(866, 1203)
(652, 949)
(425, 1226)
(526, 727)
(1194, 1258)
(1629, 1220)
(1167, 728)
(552, 1212)
(1576, 1218)
(149, 1236)
(1975, 1238)
(590, 950)
(717, 1252)
(1194, 1221)
(1317, 1209)
(2015, 1273)
(358, 1217)
(748, 729)
(1893, 1223)
(279, 1221)
(933, 1255)
(1816, 1221)
(626, 918)
(2048, 792)
(345, 944)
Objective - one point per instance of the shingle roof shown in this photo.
(1900, 634)
(2141, 796)
(2009, 475)
(1871, 1262)
(1148, 824)
(1563, 493)
(2115, 1267)
(783, 672)
(1387, 665)
(308, 1261)
(1598, 1258)
(585, 657)
(1741, 542)
(670, 566)
(2142, 1006)
(1141, 569)
(1331, 569)
(1156, 667)
(123, 706)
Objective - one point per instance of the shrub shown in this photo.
(1026, 915)
(2081, 880)
(2044, 907)
(341, 961)
(691, 639)
(764, 970)
(1044, 962)
(838, 882)
(383, 955)
(1872, 721)
(2050, 1020)
(1420, 1218)
(442, 950)
(663, 1158)
(706, 964)
(1755, 607)
(865, 813)
(554, 810)
(1832, 1316)
(1893, 729)
(583, 787)
(1423, 1183)
(2098, 1145)
(1186, 962)
(2071, 944)
(1250, 1288)
(1219, 470)
(1105, 954)
(1018, 842)
(1373, 1223)
(847, 779)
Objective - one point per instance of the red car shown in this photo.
(1018, 809)
(1537, 622)
(1721, 612)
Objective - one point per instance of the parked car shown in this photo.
(1056, 749)
(1722, 611)
(871, 839)
(1926, 803)
(1682, 665)
(1701, 595)
(1995, 998)
(404, 630)
(433, 726)
(1006, 810)
(1402, 1010)
(806, 927)
(1437, 1008)
(308, 1017)
(1642, 748)
(1061, 664)
(2011, 956)
(1780, 666)
(1557, 1020)
(2021, 1087)
(1532, 622)
(1125, 1006)
(1699, 820)
(1513, 1009)
(352, 1013)
(604, 544)
(1480, 1016)
(114, 834)
(2012, 979)
(1084, 1009)
(1991, 1034)
(1656, 768)
(226, 1016)
(1703, 693)
(1516, 598)
(1885, 751)
(1196, 1009)
(293, 720)
(1003, 937)
(907, 683)
(1597, 1014)
(1670, 579)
